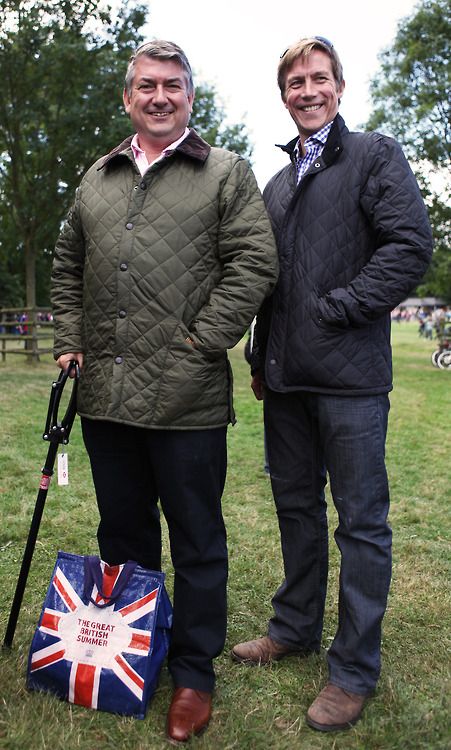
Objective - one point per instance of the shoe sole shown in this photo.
(183, 743)
(332, 727)
(261, 663)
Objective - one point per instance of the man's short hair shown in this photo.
(161, 50)
(303, 48)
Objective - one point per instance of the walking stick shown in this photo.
(56, 433)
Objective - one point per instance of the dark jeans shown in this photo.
(308, 435)
(132, 468)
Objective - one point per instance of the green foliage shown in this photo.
(208, 119)
(254, 708)
(63, 66)
(60, 109)
(437, 281)
(411, 102)
(411, 91)
(10, 287)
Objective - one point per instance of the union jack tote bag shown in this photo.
(102, 635)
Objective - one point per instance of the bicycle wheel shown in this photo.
(434, 357)
(444, 360)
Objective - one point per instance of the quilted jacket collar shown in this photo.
(192, 146)
(333, 144)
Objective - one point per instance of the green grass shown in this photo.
(253, 708)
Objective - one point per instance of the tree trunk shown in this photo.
(30, 272)
(30, 286)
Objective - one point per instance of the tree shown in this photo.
(437, 281)
(208, 119)
(410, 96)
(63, 66)
(60, 106)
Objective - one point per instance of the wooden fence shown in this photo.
(26, 330)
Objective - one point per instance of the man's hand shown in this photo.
(65, 360)
(258, 386)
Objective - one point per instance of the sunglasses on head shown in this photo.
(321, 39)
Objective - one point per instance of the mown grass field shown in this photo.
(254, 708)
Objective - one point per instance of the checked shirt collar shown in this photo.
(314, 146)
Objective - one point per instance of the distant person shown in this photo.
(162, 264)
(353, 239)
(439, 320)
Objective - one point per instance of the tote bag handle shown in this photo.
(93, 575)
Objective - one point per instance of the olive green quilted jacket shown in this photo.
(141, 264)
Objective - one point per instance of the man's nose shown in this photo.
(159, 95)
(309, 88)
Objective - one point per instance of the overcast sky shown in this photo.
(236, 44)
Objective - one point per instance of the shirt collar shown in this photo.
(320, 137)
(138, 153)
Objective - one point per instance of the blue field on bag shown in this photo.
(102, 635)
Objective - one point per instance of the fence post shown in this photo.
(34, 334)
(2, 318)
(34, 329)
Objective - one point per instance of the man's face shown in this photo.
(311, 93)
(159, 104)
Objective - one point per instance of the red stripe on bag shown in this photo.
(50, 621)
(84, 685)
(130, 672)
(47, 660)
(139, 603)
(140, 641)
(110, 575)
(63, 593)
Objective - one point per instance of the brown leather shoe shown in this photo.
(262, 651)
(189, 714)
(335, 709)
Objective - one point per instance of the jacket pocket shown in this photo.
(194, 390)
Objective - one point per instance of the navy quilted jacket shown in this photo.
(353, 240)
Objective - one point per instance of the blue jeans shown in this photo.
(309, 435)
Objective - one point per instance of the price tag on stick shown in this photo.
(63, 470)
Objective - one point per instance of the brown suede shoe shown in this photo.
(189, 714)
(262, 651)
(335, 709)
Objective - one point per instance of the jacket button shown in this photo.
(317, 164)
(273, 361)
(143, 185)
(123, 266)
(122, 314)
(118, 360)
(129, 225)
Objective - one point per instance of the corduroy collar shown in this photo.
(192, 146)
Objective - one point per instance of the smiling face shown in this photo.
(158, 102)
(311, 93)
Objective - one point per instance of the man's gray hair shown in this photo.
(161, 50)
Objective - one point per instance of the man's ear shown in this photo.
(126, 100)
